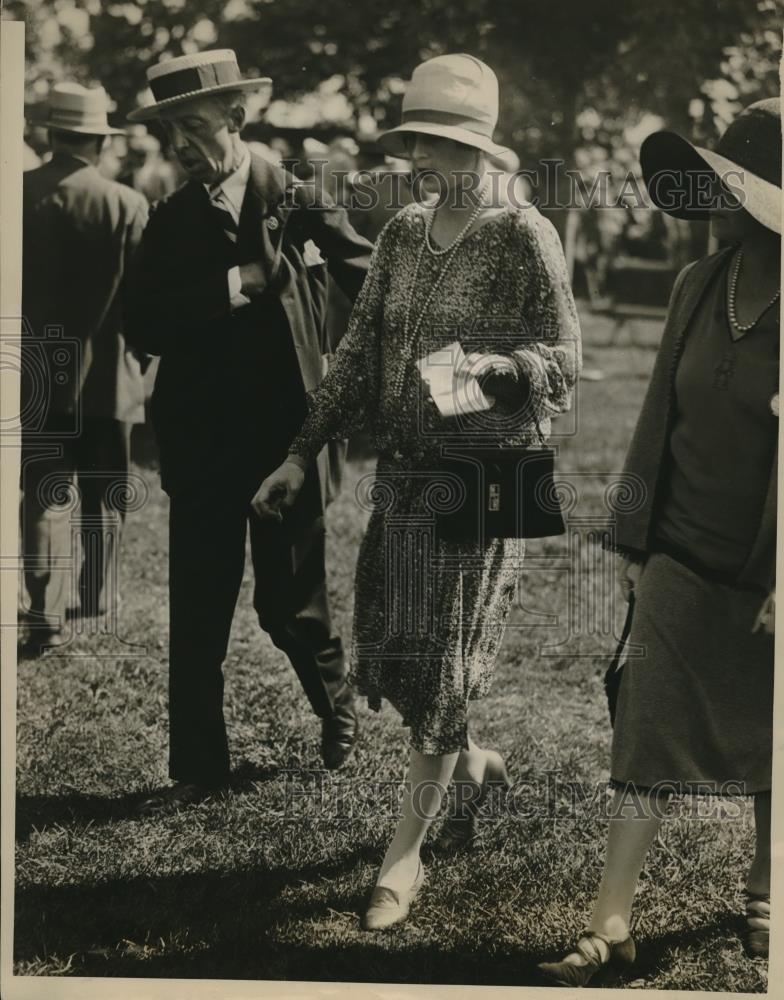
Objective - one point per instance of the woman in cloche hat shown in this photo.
(694, 710)
(428, 622)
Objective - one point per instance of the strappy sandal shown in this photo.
(758, 922)
(563, 973)
(460, 831)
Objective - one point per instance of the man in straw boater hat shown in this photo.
(82, 386)
(225, 292)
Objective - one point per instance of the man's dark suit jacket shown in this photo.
(79, 232)
(179, 309)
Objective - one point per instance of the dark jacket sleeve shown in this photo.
(347, 398)
(138, 215)
(327, 224)
(164, 304)
(634, 500)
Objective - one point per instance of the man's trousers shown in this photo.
(208, 528)
(73, 508)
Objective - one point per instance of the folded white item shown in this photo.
(454, 389)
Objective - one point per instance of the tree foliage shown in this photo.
(554, 61)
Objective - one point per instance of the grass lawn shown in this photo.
(268, 882)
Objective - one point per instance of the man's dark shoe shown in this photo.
(339, 734)
(38, 640)
(180, 795)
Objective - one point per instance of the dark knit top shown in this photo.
(724, 435)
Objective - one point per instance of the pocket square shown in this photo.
(312, 255)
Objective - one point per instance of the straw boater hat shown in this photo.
(71, 107)
(455, 97)
(185, 77)
(748, 155)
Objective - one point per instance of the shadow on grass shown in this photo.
(241, 925)
(277, 923)
(36, 812)
(651, 956)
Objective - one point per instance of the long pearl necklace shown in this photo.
(743, 327)
(409, 333)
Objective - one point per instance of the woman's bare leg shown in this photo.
(428, 778)
(635, 822)
(469, 771)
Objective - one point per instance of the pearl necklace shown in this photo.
(430, 219)
(744, 327)
(409, 334)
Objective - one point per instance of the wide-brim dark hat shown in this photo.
(680, 176)
(185, 78)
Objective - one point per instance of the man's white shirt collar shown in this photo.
(231, 192)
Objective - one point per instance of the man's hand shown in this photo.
(629, 576)
(279, 489)
(254, 278)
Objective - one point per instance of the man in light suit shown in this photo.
(82, 387)
(230, 291)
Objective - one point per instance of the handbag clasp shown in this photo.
(494, 497)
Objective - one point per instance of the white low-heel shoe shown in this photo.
(388, 906)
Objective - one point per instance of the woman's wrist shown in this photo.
(297, 460)
(531, 371)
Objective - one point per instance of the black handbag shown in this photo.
(482, 493)
(614, 673)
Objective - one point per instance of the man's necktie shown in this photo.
(224, 216)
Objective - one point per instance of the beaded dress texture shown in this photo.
(429, 613)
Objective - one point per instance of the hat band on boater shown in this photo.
(194, 78)
(431, 117)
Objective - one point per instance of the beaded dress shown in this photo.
(429, 613)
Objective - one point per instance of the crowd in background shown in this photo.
(606, 244)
